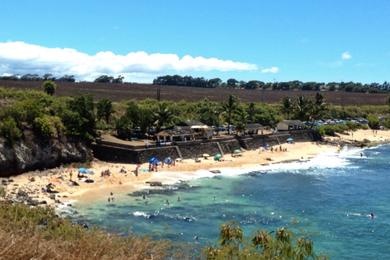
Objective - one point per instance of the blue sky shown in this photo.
(266, 40)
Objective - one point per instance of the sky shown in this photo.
(278, 40)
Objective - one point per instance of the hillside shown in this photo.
(119, 92)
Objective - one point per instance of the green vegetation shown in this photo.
(49, 87)
(9, 130)
(46, 115)
(104, 110)
(373, 122)
(80, 117)
(331, 130)
(262, 245)
(37, 233)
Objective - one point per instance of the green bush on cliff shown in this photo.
(48, 126)
(9, 130)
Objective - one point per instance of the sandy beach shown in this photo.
(68, 187)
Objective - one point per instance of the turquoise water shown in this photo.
(328, 199)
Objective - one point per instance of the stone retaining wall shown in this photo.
(195, 148)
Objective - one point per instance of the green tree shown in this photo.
(9, 130)
(146, 119)
(209, 113)
(373, 122)
(79, 118)
(230, 107)
(123, 127)
(287, 106)
(240, 119)
(48, 126)
(49, 87)
(133, 113)
(303, 108)
(232, 83)
(262, 245)
(251, 111)
(104, 110)
(163, 116)
(318, 108)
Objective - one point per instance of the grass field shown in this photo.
(119, 92)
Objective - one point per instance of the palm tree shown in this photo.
(303, 108)
(230, 108)
(163, 116)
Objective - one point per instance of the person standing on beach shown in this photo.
(136, 170)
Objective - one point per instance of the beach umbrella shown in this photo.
(152, 160)
(290, 140)
(217, 157)
(205, 155)
(237, 151)
(168, 160)
(83, 170)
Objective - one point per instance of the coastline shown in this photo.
(32, 183)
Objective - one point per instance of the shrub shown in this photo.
(386, 122)
(373, 122)
(48, 126)
(9, 130)
(49, 87)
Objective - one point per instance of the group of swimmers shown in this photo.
(111, 197)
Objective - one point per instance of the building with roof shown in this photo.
(289, 125)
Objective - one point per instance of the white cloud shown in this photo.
(22, 58)
(346, 55)
(272, 70)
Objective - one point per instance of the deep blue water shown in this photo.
(328, 200)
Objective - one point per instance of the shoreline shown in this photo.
(29, 185)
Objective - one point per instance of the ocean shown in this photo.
(328, 199)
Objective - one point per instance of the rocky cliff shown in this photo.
(32, 153)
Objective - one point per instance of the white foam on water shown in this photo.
(322, 161)
(140, 214)
(312, 166)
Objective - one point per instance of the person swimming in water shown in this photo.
(372, 216)
(167, 202)
(178, 199)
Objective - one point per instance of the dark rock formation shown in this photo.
(35, 153)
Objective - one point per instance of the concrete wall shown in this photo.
(195, 148)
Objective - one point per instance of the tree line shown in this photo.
(188, 81)
(200, 82)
